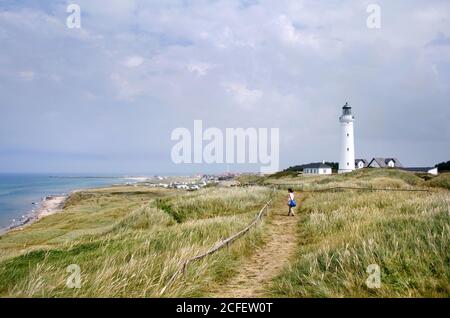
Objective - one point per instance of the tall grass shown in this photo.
(440, 181)
(85, 213)
(213, 202)
(364, 178)
(406, 234)
(128, 241)
(135, 249)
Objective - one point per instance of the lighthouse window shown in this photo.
(348, 163)
(348, 149)
(348, 135)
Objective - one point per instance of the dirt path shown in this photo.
(259, 269)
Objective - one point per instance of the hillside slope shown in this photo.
(129, 241)
(406, 235)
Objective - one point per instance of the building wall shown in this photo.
(310, 171)
(347, 159)
(317, 171)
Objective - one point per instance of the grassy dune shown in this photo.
(211, 203)
(126, 246)
(372, 178)
(441, 181)
(407, 234)
(128, 241)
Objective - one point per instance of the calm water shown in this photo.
(19, 191)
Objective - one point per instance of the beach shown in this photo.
(27, 197)
(48, 206)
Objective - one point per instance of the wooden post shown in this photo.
(185, 269)
(230, 240)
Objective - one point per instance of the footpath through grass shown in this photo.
(407, 234)
(128, 241)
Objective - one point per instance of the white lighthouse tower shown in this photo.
(347, 159)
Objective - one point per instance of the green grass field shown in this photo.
(128, 241)
(126, 246)
(407, 234)
(372, 178)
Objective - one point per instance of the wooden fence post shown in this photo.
(228, 242)
(185, 269)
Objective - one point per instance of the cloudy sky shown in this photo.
(106, 97)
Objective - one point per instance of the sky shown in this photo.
(106, 97)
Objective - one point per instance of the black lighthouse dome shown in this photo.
(346, 110)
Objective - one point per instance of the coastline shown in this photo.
(49, 205)
(51, 192)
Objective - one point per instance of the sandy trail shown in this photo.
(259, 269)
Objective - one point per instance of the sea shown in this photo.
(21, 194)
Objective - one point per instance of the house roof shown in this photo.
(365, 161)
(383, 162)
(316, 165)
(396, 161)
(419, 169)
(380, 161)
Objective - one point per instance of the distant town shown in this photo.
(193, 183)
(190, 183)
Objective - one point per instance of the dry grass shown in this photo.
(212, 202)
(406, 233)
(367, 178)
(128, 247)
(440, 181)
(129, 241)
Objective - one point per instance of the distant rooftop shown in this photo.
(316, 165)
(418, 169)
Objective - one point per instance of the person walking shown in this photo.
(291, 202)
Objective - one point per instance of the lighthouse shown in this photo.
(347, 159)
